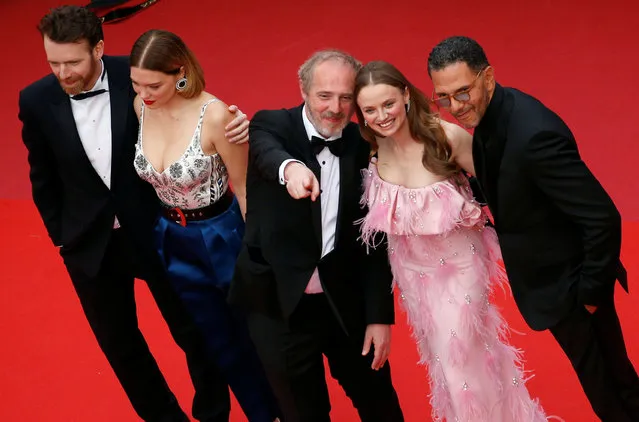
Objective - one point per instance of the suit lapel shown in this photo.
(479, 162)
(311, 161)
(493, 153)
(488, 146)
(61, 109)
(119, 87)
(348, 175)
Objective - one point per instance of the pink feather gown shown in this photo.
(446, 264)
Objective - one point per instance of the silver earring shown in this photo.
(408, 106)
(365, 123)
(181, 84)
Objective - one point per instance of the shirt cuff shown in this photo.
(283, 167)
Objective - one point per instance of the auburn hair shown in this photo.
(165, 52)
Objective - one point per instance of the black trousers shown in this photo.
(293, 351)
(595, 346)
(108, 301)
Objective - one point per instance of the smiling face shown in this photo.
(153, 87)
(75, 64)
(329, 100)
(456, 81)
(383, 108)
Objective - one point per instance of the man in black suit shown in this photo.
(309, 285)
(80, 131)
(559, 231)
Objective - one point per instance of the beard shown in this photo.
(73, 86)
(327, 130)
(79, 83)
(475, 112)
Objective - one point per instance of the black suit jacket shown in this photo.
(560, 233)
(283, 240)
(77, 208)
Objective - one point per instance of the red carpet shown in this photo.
(575, 58)
(53, 371)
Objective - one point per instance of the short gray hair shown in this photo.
(305, 72)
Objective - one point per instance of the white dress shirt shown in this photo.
(93, 120)
(329, 196)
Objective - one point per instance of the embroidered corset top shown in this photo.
(195, 180)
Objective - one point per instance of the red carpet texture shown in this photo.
(577, 57)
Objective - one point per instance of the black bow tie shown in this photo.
(336, 146)
(89, 94)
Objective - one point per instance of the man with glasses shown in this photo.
(559, 231)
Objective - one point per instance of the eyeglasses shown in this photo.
(461, 96)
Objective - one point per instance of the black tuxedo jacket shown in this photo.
(283, 241)
(560, 233)
(77, 208)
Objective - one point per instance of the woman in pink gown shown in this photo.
(445, 260)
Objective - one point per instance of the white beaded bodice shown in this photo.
(195, 180)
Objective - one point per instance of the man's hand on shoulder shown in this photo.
(237, 131)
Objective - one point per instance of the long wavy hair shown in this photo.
(423, 125)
